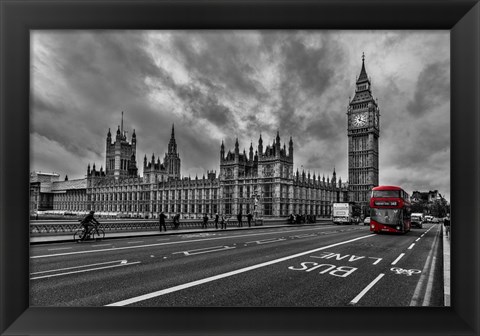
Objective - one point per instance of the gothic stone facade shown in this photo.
(262, 183)
(363, 116)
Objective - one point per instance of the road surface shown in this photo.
(304, 266)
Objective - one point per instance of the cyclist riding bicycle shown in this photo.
(88, 222)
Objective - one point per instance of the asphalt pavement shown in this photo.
(306, 265)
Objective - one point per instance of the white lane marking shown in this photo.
(376, 262)
(417, 239)
(205, 250)
(83, 266)
(225, 275)
(305, 235)
(160, 244)
(101, 245)
(87, 270)
(411, 246)
(398, 258)
(366, 289)
(135, 242)
(267, 241)
(416, 294)
(428, 291)
(60, 248)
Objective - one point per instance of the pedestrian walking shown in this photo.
(216, 221)
(249, 219)
(205, 221)
(223, 222)
(176, 221)
(239, 217)
(162, 221)
(446, 223)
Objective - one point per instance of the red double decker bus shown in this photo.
(389, 210)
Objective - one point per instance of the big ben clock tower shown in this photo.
(363, 131)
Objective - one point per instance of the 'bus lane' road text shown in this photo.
(339, 271)
(346, 257)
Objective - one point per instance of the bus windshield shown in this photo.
(386, 193)
(386, 216)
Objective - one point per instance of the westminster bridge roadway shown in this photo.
(313, 266)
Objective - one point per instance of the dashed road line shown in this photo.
(228, 274)
(398, 258)
(167, 243)
(205, 250)
(74, 267)
(267, 241)
(60, 248)
(366, 289)
(411, 246)
(86, 270)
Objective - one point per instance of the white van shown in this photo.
(417, 219)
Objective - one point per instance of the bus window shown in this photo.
(385, 193)
(387, 216)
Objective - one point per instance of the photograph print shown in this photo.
(249, 168)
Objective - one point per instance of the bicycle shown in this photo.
(95, 233)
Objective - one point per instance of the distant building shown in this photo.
(41, 196)
(261, 182)
(426, 196)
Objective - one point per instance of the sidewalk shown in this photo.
(117, 235)
(446, 267)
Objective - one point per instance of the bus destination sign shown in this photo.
(386, 203)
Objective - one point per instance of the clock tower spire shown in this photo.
(363, 132)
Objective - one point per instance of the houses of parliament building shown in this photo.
(261, 181)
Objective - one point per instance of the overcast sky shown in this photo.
(216, 85)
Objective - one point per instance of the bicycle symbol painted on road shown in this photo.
(408, 272)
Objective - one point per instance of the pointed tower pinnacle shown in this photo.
(363, 73)
(122, 123)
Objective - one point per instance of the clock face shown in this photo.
(360, 120)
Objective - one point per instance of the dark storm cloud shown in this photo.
(220, 59)
(422, 147)
(394, 40)
(216, 85)
(311, 67)
(307, 73)
(104, 64)
(326, 127)
(204, 105)
(433, 89)
(100, 74)
(55, 131)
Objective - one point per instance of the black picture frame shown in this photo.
(18, 17)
